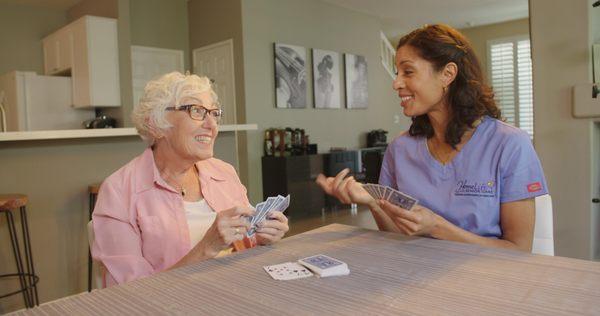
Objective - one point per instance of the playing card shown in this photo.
(369, 188)
(259, 209)
(287, 271)
(403, 200)
(267, 205)
(381, 189)
(285, 204)
(388, 193)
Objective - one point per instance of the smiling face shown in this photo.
(419, 86)
(191, 139)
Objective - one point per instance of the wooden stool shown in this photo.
(28, 280)
(93, 191)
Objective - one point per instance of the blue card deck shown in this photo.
(273, 203)
(325, 266)
(395, 197)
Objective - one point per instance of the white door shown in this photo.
(216, 62)
(148, 63)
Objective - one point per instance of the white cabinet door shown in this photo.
(88, 49)
(51, 55)
(148, 63)
(64, 44)
(58, 50)
(216, 62)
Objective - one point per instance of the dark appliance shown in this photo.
(377, 138)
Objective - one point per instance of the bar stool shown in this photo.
(27, 279)
(93, 192)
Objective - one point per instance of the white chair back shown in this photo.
(97, 268)
(543, 233)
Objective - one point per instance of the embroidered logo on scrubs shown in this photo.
(474, 188)
(534, 187)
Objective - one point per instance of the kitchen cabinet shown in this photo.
(58, 53)
(87, 49)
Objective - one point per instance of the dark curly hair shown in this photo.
(469, 97)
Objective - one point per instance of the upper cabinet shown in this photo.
(58, 53)
(88, 49)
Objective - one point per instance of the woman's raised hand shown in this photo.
(345, 189)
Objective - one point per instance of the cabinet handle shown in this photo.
(595, 200)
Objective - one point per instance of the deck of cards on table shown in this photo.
(325, 266)
(382, 192)
(273, 203)
(320, 265)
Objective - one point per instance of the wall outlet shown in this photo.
(396, 119)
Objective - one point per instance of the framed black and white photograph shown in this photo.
(357, 92)
(290, 76)
(326, 77)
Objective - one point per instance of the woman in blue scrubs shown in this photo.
(475, 176)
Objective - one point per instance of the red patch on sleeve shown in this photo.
(534, 187)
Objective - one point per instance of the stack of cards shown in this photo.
(287, 271)
(396, 197)
(274, 203)
(321, 265)
(325, 266)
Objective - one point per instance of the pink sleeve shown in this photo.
(117, 240)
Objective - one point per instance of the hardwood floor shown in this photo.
(360, 217)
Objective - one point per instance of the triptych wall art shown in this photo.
(291, 78)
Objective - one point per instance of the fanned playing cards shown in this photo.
(273, 203)
(382, 192)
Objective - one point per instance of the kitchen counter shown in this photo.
(103, 132)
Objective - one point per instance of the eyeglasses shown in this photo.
(198, 112)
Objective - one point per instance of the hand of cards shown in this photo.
(381, 192)
(321, 265)
(273, 203)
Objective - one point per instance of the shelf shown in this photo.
(102, 132)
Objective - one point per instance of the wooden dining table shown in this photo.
(390, 274)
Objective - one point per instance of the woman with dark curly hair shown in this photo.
(475, 176)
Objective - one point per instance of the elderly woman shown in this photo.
(174, 204)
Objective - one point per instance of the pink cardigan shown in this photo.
(139, 223)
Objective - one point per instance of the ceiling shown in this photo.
(400, 16)
(50, 4)
(397, 16)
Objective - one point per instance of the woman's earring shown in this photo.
(444, 89)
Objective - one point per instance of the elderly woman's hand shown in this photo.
(229, 226)
(272, 229)
(419, 221)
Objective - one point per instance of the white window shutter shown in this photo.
(525, 86)
(511, 79)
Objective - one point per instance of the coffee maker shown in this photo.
(377, 138)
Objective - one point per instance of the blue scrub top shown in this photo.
(497, 165)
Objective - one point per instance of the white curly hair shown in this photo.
(149, 115)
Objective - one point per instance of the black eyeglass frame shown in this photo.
(188, 109)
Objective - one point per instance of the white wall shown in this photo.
(311, 24)
(560, 34)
